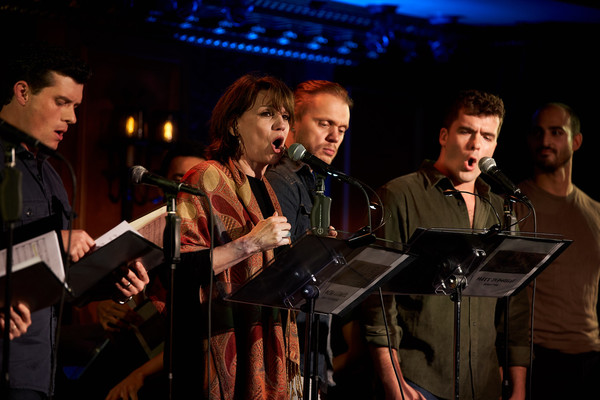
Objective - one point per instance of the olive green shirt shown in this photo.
(422, 326)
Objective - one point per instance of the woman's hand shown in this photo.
(266, 235)
(270, 233)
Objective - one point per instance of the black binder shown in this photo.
(94, 276)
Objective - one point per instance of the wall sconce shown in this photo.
(143, 137)
(168, 129)
(133, 125)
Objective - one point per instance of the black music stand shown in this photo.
(321, 275)
(473, 263)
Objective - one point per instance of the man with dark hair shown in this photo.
(182, 156)
(422, 326)
(43, 85)
(566, 339)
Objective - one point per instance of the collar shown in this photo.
(22, 153)
(435, 178)
(294, 166)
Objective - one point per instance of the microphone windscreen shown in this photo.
(136, 172)
(296, 151)
(486, 164)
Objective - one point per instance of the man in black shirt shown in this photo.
(42, 86)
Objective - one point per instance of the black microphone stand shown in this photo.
(11, 206)
(507, 227)
(172, 254)
(320, 221)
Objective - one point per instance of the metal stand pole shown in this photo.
(508, 227)
(310, 293)
(172, 251)
(11, 206)
(456, 297)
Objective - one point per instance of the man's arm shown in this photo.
(518, 376)
(382, 361)
(129, 386)
(518, 343)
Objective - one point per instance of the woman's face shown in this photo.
(263, 131)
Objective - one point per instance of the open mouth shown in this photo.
(472, 161)
(278, 143)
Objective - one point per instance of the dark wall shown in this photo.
(396, 120)
(394, 124)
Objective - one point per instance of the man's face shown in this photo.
(323, 125)
(551, 140)
(49, 113)
(468, 139)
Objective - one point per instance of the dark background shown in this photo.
(398, 96)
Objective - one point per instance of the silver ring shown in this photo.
(128, 284)
(123, 301)
(287, 234)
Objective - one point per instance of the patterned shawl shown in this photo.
(268, 365)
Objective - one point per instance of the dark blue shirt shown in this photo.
(43, 194)
(294, 185)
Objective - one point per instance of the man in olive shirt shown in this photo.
(425, 342)
(565, 335)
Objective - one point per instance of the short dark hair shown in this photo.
(34, 63)
(474, 102)
(575, 121)
(182, 148)
(237, 99)
(305, 90)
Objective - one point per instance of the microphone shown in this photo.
(297, 152)
(16, 136)
(140, 175)
(487, 165)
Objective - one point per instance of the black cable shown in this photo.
(530, 372)
(387, 332)
(452, 192)
(66, 267)
(379, 202)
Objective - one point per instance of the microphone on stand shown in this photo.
(320, 211)
(140, 175)
(298, 152)
(487, 165)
